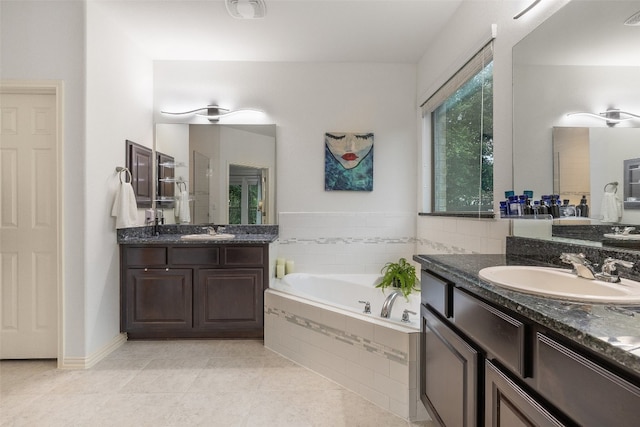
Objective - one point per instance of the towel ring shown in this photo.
(120, 170)
(614, 184)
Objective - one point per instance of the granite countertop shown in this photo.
(595, 326)
(172, 234)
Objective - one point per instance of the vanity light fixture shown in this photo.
(612, 116)
(527, 9)
(633, 20)
(211, 112)
(246, 9)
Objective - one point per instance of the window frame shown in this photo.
(471, 68)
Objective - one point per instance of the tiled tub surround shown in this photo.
(589, 325)
(450, 235)
(375, 358)
(345, 242)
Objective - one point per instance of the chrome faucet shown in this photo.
(388, 304)
(581, 265)
(609, 267)
(584, 268)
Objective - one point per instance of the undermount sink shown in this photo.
(219, 236)
(561, 283)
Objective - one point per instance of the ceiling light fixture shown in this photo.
(246, 9)
(633, 20)
(527, 9)
(612, 116)
(213, 112)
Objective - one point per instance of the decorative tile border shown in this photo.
(347, 240)
(342, 336)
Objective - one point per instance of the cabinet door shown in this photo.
(586, 391)
(166, 190)
(140, 163)
(158, 299)
(449, 379)
(229, 299)
(508, 405)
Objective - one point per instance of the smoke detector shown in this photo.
(246, 9)
(634, 20)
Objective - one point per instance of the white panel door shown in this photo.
(28, 226)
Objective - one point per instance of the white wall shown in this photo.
(119, 107)
(468, 30)
(306, 100)
(45, 40)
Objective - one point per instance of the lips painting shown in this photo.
(348, 161)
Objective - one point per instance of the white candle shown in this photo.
(289, 267)
(280, 271)
(279, 261)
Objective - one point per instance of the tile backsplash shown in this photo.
(451, 235)
(345, 242)
(362, 242)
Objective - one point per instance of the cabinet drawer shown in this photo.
(508, 405)
(588, 393)
(437, 292)
(145, 256)
(500, 334)
(206, 255)
(244, 255)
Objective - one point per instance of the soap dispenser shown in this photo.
(583, 208)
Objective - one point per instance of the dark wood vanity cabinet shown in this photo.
(449, 383)
(228, 299)
(482, 364)
(188, 291)
(509, 405)
(158, 299)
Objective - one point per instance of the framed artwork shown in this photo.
(348, 161)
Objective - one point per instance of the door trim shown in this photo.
(56, 88)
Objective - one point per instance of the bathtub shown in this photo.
(317, 321)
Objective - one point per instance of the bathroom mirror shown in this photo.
(579, 60)
(226, 173)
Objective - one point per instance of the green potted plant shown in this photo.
(400, 275)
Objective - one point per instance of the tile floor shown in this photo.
(182, 383)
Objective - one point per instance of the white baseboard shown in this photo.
(91, 360)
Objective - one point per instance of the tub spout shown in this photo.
(388, 304)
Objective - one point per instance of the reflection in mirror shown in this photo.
(588, 161)
(571, 164)
(577, 60)
(227, 173)
(246, 195)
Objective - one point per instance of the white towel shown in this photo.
(124, 207)
(185, 214)
(611, 209)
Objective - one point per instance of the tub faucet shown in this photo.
(388, 304)
(582, 267)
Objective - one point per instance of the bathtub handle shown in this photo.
(367, 306)
(405, 315)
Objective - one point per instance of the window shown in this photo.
(460, 119)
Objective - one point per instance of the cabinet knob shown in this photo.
(146, 269)
(166, 269)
